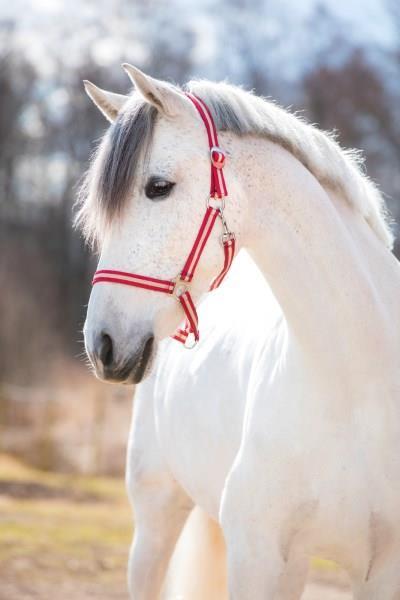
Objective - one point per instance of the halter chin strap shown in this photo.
(179, 287)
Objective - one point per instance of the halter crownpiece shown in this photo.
(179, 287)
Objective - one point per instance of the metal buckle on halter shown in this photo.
(219, 205)
(227, 235)
(217, 164)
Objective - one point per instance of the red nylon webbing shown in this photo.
(199, 243)
(149, 283)
(217, 186)
(229, 254)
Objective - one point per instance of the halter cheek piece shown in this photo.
(179, 287)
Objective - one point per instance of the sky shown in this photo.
(364, 21)
(222, 38)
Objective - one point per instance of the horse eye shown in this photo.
(158, 188)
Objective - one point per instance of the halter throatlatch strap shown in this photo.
(215, 209)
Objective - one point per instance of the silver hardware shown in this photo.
(217, 149)
(227, 235)
(180, 287)
(190, 342)
(217, 203)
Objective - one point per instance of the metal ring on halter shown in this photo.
(190, 342)
(180, 287)
(217, 203)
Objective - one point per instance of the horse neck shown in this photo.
(335, 281)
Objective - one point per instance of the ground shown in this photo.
(64, 537)
(61, 536)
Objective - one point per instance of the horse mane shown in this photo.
(111, 175)
(242, 112)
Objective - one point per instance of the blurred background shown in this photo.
(62, 433)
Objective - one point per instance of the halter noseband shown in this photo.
(179, 287)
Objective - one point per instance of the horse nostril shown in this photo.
(106, 350)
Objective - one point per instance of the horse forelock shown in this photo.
(110, 179)
(128, 139)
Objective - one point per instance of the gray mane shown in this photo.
(111, 176)
(129, 135)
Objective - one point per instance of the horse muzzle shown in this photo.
(115, 367)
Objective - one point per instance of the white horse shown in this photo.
(287, 436)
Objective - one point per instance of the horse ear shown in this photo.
(107, 102)
(164, 96)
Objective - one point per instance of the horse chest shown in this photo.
(198, 433)
(333, 486)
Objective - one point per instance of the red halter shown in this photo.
(215, 208)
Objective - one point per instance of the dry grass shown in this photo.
(61, 536)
